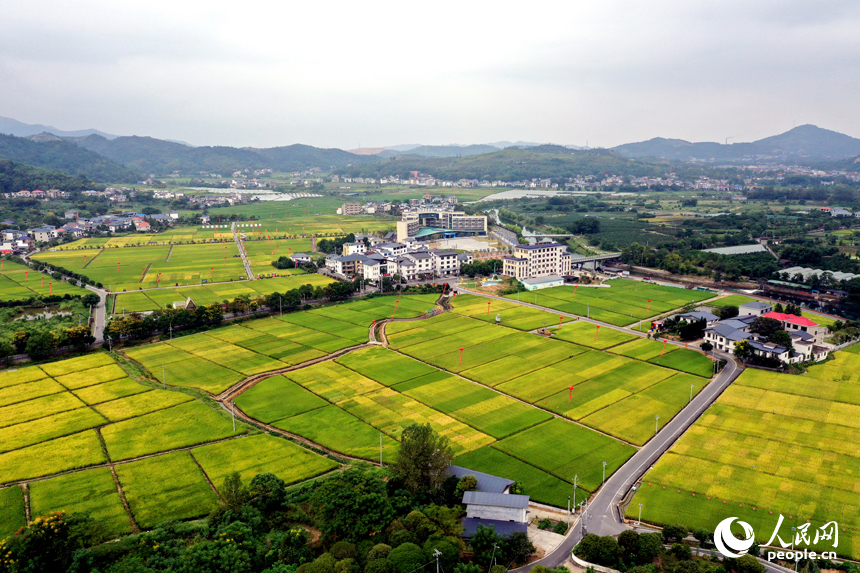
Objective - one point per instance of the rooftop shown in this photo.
(790, 318)
(497, 499)
(486, 483)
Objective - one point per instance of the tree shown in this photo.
(793, 309)
(702, 535)
(765, 326)
(482, 543)
(749, 564)
(423, 458)
(233, 494)
(19, 340)
(517, 548)
(353, 505)
(674, 533)
(406, 557)
(450, 554)
(728, 311)
(378, 551)
(466, 483)
(743, 350)
(41, 345)
(267, 492)
(629, 543)
(781, 338)
(380, 566)
(650, 546)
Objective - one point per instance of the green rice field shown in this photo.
(619, 302)
(86, 414)
(212, 293)
(18, 282)
(772, 444)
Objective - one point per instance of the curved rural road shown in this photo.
(242, 252)
(602, 517)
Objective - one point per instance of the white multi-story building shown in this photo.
(541, 259)
(357, 248)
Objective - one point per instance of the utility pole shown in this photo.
(656, 423)
(233, 413)
(437, 554)
(639, 523)
(604, 473)
(574, 491)
(380, 449)
(163, 377)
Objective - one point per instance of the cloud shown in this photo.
(342, 73)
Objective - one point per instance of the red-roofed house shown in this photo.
(792, 323)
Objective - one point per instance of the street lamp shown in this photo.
(576, 477)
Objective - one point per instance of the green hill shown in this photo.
(51, 152)
(544, 161)
(16, 176)
(157, 156)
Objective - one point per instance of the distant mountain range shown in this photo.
(805, 142)
(14, 127)
(157, 156)
(554, 162)
(110, 158)
(50, 152)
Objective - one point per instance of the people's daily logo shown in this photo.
(802, 536)
(727, 543)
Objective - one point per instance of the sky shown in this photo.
(377, 73)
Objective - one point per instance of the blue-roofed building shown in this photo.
(486, 483)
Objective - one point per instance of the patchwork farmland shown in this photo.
(18, 282)
(499, 400)
(87, 414)
(772, 444)
(213, 293)
(621, 303)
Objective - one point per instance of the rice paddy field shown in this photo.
(67, 425)
(18, 282)
(500, 400)
(744, 458)
(133, 268)
(622, 302)
(213, 293)
(510, 314)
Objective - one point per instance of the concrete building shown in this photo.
(539, 260)
(352, 209)
(357, 248)
(754, 308)
(724, 337)
(792, 323)
(427, 223)
(710, 318)
(496, 506)
(542, 282)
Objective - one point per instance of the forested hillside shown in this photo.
(16, 176)
(545, 161)
(159, 157)
(54, 153)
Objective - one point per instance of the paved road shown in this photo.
(100, 312)
(242, 252)
(603, 516)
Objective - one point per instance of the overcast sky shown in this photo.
(344, 74)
